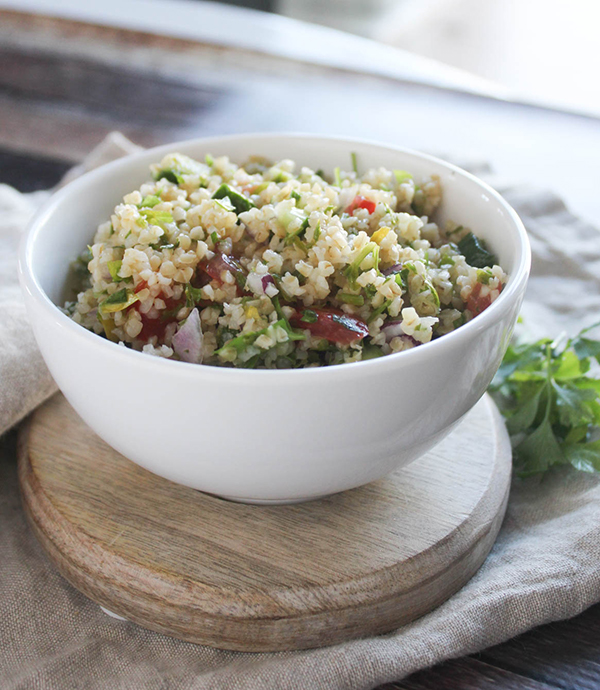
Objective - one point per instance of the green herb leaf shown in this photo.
(357, 300)
(525, 414)
(552, 404)
(317, 233)
(371, 352)
(242, 347)
(538, 451)
(584, 456)
(192, 295)
(169, 175)
(475, 252)
(584, 348)
(309, 316)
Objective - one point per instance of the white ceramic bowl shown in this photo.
(258, 435)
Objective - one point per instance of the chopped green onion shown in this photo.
(236, 347)
(429, 286)
(156, 217)
(150, 201)
(294, 195)
(118, 301)
(301, 245)
(224, 206)
(239, 202)
(214, 237)
(352, 271)
(298, 335)
(209, 160)
(261, 187)
(114, 267)
(446, 260)
(483, 276)
(336, 177)
(293, 237)
(357, 300)
(277, 279)
(279, 175)
(354, 164)
(276, 303)
(402, 175)
(379, 310)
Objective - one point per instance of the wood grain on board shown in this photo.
(264, 578)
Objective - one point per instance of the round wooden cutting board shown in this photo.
(256, 578)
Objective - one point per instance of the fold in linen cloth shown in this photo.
(25, 382)
(543, 567)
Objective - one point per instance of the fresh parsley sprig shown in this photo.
(551, 400)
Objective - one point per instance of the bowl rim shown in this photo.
(414, 356)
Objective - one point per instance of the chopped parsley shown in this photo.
(169, 175)
(309, 316)
(475, 252)
(551, 402)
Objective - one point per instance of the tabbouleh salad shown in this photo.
(266, 266)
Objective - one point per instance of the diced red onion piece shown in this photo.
(392, 329)
(396, 268)
(266, 281)
(187, 342)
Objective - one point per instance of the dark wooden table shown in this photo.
(64, 85)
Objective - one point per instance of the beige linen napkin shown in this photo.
(544, 566)
(25, 382)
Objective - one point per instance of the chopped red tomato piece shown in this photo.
(361, 202)
(476, 303)
(334, 326)
(156, 327)
(221, 263)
